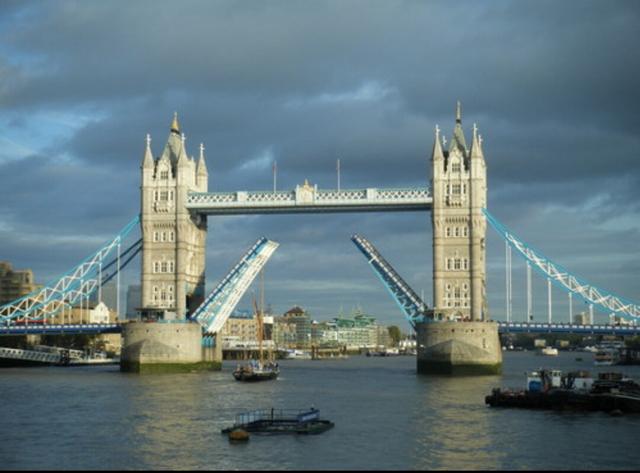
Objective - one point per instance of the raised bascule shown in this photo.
(455, 335)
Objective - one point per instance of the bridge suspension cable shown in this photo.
(72, 287)
(556, 274)
(217, 307)
(411, 305)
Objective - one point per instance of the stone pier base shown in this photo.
(165, 348)
(464, 348)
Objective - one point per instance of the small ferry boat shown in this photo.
(606, 357)
(549, 351)
(294, 354)
(280, 421)
(256, 370)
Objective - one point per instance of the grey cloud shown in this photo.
(552, 86)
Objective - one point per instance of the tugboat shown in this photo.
(258, 370)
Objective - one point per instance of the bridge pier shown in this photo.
(165, 348)
(466, 348)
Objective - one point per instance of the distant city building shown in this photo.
(97, 314)
(581, 319)
(134, 300)
(241, 328)
(109, 295)
(617, 320)
(284, 333)
(295, 330)
(15, 283)
(302, 322)
(355, 332)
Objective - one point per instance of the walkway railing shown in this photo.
(308, 199)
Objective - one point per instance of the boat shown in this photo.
(279, 421)
(255, 370)
(549, 389)
(294, 354)
(260, 369)
(549, 351)
(606, 357)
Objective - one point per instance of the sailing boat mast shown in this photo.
(259, 328)
(269, 349)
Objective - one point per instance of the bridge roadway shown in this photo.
(309, 199)
(503, 327)
(59, 329)
(595, 329)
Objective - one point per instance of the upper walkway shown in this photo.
(309, 199)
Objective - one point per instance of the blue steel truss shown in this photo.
(604, 300)
(74, 286)
(216, 308)
(411, 305)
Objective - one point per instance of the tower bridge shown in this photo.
(455, 333)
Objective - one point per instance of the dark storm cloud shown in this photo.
(552, 86)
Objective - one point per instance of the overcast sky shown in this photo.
(553, 87)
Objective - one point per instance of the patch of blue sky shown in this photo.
(24, 137)
(261, 162)
(368, 91)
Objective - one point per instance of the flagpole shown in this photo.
(275, 170)
(338, 169)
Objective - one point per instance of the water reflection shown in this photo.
(452, 425)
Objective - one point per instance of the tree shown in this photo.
(395, 334)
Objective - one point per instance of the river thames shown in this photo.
(386, 417)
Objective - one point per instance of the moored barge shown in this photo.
(548, 389)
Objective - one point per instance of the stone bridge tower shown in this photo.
(174, 240)
(461, 339)
(459, 227)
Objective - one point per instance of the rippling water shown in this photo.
(386, 417)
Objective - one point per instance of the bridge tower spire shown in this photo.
(173, 254)
(459, 194)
